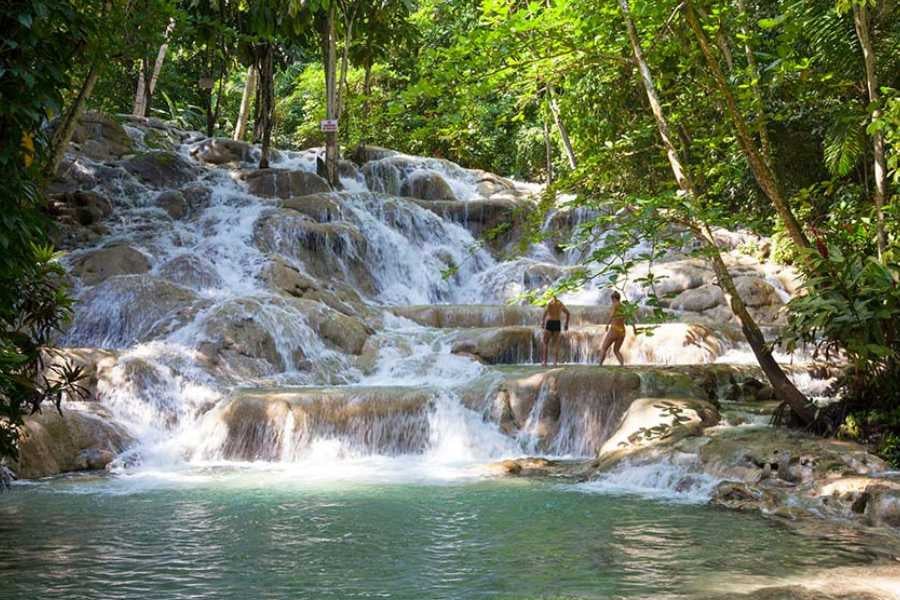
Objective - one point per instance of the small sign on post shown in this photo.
(328, 125)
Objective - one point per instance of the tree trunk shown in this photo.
(342, 85)
(145, 88)
(140, 95)
(561, 127)
(762, 126)
(267, 97)
(331, 142)
(785, 390)
(66, 128)
(762, 172)
(548, 151)
(240, 127)
(257, 110)
(861, 22)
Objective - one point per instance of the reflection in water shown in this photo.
(232, 534)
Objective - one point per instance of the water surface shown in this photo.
(231, 534)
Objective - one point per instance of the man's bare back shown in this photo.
(551, 323)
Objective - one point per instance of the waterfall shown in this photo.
(258, 316)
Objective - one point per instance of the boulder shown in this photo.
(883, 505)
(84, 207)
(220, 151)
(99, 265)
(101, 137)
(363, 154)
(649, 421)
(698, 299)
(571, 410)
(238, 341)
(322, 208)
(93, 363)
(197, 197)
(191, 271)
(283, 277)
(427, 185)
(326, 251)
(174, 203)
(76, 440)
(756, 292)
(283, 183)
(161, 169)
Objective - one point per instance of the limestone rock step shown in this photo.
(282, 423)
(496, 315)
(669, 343)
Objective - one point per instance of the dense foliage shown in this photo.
(37, 50)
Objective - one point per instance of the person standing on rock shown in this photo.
(615, 335)
(551, 323)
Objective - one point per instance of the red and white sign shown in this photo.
(328, 125)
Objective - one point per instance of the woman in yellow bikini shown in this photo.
(615, 335)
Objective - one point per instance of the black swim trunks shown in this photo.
(554, 325)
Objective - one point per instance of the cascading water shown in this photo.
(233, 296)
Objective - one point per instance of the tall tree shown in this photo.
(785, 390)
(147, 77)
(763, 173)
(863, 28)
(240, 125)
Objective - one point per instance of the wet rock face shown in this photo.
(161, 169)
(564, 411)
(128, 308)
(191, 271)
(220, 151)
(74, 441)
(283, 183)
(281, 423)
(427, 185)
(363, 154)
(238, 342)
(79, 216)
(174, 203)
(325, 250)
(99, 265)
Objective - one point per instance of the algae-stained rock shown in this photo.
(74, 441)
(220, 151)
(283, 183)
(326, 251)
(85, 207)
(427, 185)
(161, 169)
(99, 265)
(283, 277)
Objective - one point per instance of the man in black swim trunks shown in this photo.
(551, 323)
